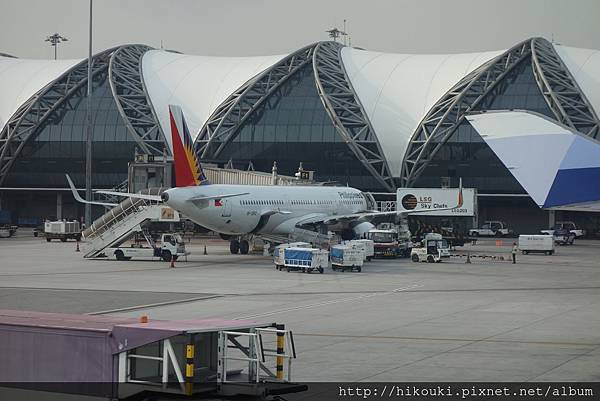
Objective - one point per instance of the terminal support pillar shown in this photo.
(551, 218)
(280, 351)
(59, 207)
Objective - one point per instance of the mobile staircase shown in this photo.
(121, 222)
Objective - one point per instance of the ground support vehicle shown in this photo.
(7, 231)
(536, 244)
(367, 246)
(62, 230)
(566, 225)
(387, 244)
(491, 229)
(278, 254)
(432, 249)
(305, 259)
(169, 248)
(563, 237)
(346, 257)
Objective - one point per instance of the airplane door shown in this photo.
(226, 210)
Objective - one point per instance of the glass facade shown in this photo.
(466, 155)
(59, 146)
(292, 127)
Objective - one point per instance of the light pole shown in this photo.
(88, 120)
(54, 40)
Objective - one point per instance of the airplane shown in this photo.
(239, 212)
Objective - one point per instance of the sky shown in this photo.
(268, 27)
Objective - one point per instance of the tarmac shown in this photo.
(490, 320)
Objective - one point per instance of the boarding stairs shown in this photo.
(124, 220)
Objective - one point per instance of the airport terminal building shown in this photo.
(372, 120)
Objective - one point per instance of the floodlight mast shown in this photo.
(54, 40)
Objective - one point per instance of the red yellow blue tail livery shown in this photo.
(188, 171)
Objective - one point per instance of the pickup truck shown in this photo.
(491, 229)
(565, 225)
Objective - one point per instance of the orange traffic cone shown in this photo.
(172, 261)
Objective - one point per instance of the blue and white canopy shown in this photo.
(559, 168)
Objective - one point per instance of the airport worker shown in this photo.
(514, 252)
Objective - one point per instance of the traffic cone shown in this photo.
(172, 261)
(77, 249)
(205, 250)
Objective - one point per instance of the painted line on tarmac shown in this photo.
(154, 305)
(448, 339)
(334, 301)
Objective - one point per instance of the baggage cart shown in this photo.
(346, 257)
(278, 252)
(305, 259)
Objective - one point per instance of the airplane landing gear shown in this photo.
(234, 246)
(244, 247)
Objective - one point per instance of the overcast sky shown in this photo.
(262, 27)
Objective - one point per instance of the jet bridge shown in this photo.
(121, 357)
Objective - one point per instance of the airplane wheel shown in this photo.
(415, 257)
(244, 247)
(234, 246)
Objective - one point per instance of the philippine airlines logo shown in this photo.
(409, 202)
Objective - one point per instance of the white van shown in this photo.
(536, 243)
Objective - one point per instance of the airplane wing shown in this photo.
(155, 198)
(368, 216)
(79, 199)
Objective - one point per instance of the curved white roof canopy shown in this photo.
(198, 84)
(397, 90)
(20, 79)
(584, 65)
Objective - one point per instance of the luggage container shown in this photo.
(278, 252)
(346, 257)
(367, 245)
(536, 243)
(62, 230)
(305, 259)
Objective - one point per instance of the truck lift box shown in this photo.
(347, 257)
(305, 259)
(116, 357)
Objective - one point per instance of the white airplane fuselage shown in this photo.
(264, 209)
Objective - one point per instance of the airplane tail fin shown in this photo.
(188, 171)
(460, 193)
